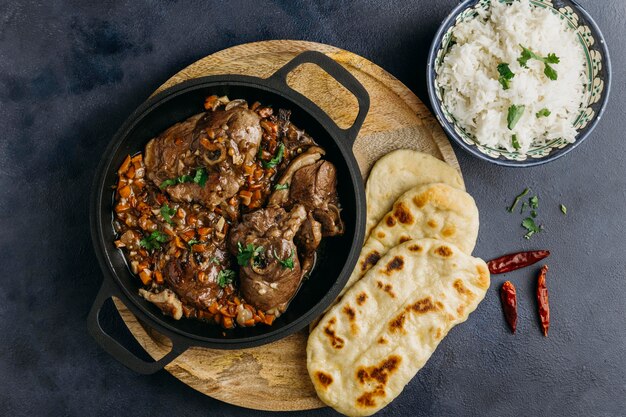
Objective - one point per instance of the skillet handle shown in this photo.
(340, 74)
(115, 349)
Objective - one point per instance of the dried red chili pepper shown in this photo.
(508, 295)
(542, 300)
(513, 261)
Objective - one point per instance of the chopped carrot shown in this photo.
(121, 208)
(202, 277)
(214, 308)
(161, 199)
(130, 173)
(249, 322)
(206, 143)
(119, 244)
(211, 102)
(179, 243)
(227, 323)
(145, 276)
(124, 166)
(158, 277)
(178, 141)
(269, 319)
(236, 300)
(203, 231)
(125, 192)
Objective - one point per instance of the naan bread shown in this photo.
(396, 173)
(373, 342)
(436, 211)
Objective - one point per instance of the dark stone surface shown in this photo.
(69, 75)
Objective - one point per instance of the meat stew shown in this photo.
(222, 214)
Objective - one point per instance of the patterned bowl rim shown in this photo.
(450, 21)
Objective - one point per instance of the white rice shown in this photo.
(469, 76)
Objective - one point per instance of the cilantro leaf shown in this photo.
(192, 242)
(281, 187)
(214, 260)
(167, 183)
(530, 225)
(225, 277)
(527, 54)
(550, 72)
(514, 115)
(505, 75)
(154, 240)
(543, 113)
(287, 262)
(563, 209)
(244, 255)
(518, 198)
(277, 159)
(534, 202)
(200, 177)
(167, 212)
(515, 143)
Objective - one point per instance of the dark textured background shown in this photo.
(70, 73)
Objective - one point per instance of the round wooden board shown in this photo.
(274, 377)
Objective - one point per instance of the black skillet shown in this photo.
(336, 258)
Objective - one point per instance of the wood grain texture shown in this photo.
(274, 377)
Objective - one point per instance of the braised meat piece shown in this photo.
(307, 240)
(195, 278)
(295, 140)
(280, 198)
(221, 142)
(270, 272)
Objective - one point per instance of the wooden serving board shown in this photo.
(274, 377)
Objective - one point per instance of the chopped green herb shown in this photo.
(277, 159)
(505, 75)
(167, 212)
(214, 260)
(543, 113)
(225, 277)
(515, 143)
(200, 177)
(167, 183)
(524, 207)
(533, 213)
(193, 242)
(154, 240)
(534, 202)
(285, 263)
(281, 186)
(563, 209)
(527, 55)
(249, 252)
(514, 115)
(530, 225)
(518, 198)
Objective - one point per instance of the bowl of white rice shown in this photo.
(519, 82)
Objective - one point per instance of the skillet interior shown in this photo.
(332, 256)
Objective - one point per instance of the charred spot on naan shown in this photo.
(335, 341)
(462, 289)
(367, 400)
(397, 324)
(448, 231)
(379, 373)
(394, 265)
(382, 341)
(404, 239)
(402, 213)
(381, 235)
(361, 298)
(431, 223)
(483, 276)
(388, 288)
(324, 379)
(390, 220)
(443, 251)
(370, 260)
(425, 305)
(415, 248)
(351, 313)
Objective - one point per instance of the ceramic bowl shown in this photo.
(598, 74)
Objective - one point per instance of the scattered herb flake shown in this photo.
(193, 242)
(154, 240)
(533, 214)
(530, 225)
(563, 209)
(515, 143)
(277, 159)
(543, 113)
(514, 115)
(167, 212)
(534, 202)
(278, 187)
(505, 75)
(285, 263)
(249, 252)
(518, 198)
(225, 277)
(524, 207)
(200, 177)
(527, 55)
(214, 260)
(167, 183)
